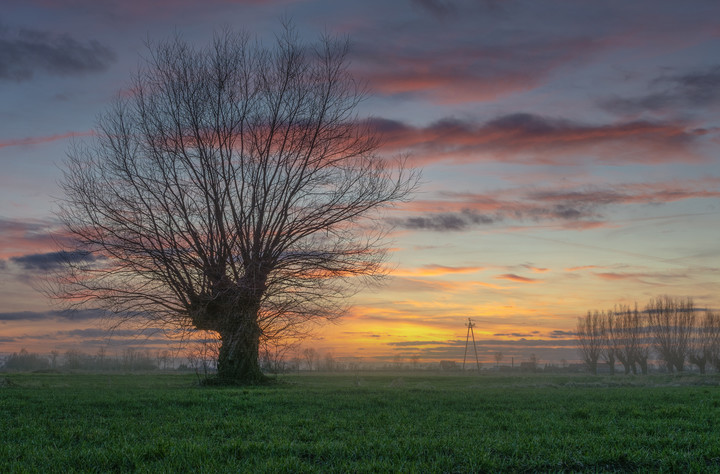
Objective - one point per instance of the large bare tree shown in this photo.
(233, 189)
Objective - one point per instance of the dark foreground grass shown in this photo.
(166, 423)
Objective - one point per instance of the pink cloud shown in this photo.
(533, 139)
(517, 278)
(40, 140)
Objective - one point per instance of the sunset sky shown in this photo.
(570, 154)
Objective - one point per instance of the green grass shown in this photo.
(422, 423)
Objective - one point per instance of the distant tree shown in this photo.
(704, 340)
(415, 360)
(398, 360)
(330, 362)
(311, 356)
(54, 358)
(235, 190)
(26, 361)
(672, 321)
(610, 338)
(630, 334)
(712, 320)
(590, 339)
(498, 357)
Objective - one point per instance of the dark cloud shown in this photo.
(25, 52)
(78, 315)
(100, 333)
(445, 221)
(52, 260)
(3, 264)
(697, 89)
(578, 208)
(438, 8)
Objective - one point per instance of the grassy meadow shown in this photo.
(366, 422)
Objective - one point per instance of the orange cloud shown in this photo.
(435, 270)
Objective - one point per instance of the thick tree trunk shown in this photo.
(238, 358)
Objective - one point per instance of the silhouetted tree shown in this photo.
(498, 356)
(26, 361)
(311, 356)
(631, 347)
(672, 321)
(610, 338)
(590, 339)
(712, 320)
(703, 341)
(233, 190)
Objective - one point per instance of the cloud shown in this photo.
(534, 139)
(438, 8)
(446, 221)
(435, 270)
(40, 140)
(517, 278)
(576, 208)
(26, 52)
(77, 315)
(52, 260)
(22, 236)
(411, 61)
(698, 89)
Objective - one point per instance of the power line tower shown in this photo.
(470, 324)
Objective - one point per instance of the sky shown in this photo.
(570, 154)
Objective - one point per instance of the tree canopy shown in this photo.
(232, 189)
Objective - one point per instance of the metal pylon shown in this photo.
(470, 332)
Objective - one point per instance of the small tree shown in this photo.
(704, 341)
(311, 356)
(234, 191)
(498, 356)
(590, 339)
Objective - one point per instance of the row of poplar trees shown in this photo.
(670, 328)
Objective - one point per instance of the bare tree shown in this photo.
(631, 348)
(712, 320)
(590, 339)
(672, 321)
(498, 356)
(234, 190)
(610, 338)
(311, 357)
(703, 342)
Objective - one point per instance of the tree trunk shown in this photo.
(238, 358)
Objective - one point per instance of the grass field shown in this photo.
(366, 422)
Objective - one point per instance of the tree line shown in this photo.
(670, 328)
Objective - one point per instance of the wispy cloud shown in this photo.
(435, 270)
(40, 140)
(697, 90)
(534, 139)
(26, 52)
(52, 260)
(79, 315)
(517, 278)
(577, 208)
